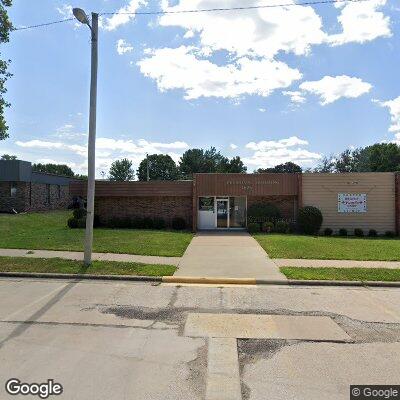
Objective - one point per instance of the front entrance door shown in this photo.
(222, 213)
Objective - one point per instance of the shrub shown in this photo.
(159, 223)
(79, 213)
(178, 224)
(328, 232)
(81, 223)
(96, 221)
(372, 233)
(292, 227)
(253, 227)
(282, 227)
(390, 234)
(268, 227)
(358, 232)
(310, 220)
(342, 232)
(137, 223)
(116, 222)
(72, 223)
(148, 223)
(263, 212)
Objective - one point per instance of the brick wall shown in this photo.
(286, 204)
(7, 203)
(33, 197)
(166, 207)
(37, 197)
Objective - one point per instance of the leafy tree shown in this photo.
(57, 169)
(288, 168)
(8, 157)
(326, 165)
(121, 170)
(384, 157)
(202, 161)
(161, 168)
(5, 28)
(234, 165)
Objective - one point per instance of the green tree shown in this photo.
(202, 161)
(57, 169)
(121, 170)
(288, 168)
(5, 28)
(384, 157)
(326, 165)
(8, 157)
(161, 168)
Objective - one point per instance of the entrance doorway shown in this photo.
(220, 212)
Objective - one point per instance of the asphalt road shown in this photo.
(117, 340)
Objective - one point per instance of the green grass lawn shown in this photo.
(342, 274)
(48, 231)
(61, 266)
(329, 248)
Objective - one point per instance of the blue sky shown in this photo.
(271, 85)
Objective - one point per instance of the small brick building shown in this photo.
(220, 201)
(22, 189)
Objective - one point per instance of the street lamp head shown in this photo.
(81, 16)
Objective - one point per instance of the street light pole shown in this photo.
(81, 16)
(92, 142)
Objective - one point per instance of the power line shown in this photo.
(204, 10)
(22, 28)
(308, 3)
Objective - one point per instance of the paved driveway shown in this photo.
(227, 255)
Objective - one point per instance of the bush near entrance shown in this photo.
(310, 220)
(260, 213)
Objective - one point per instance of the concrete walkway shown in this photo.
(283, 262)
(75, 255)
(227, 255)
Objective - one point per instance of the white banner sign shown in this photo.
(352, 202)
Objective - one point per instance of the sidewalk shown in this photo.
(227, 255)
(74, 255)
(287, 262)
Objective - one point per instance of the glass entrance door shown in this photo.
(222, 213)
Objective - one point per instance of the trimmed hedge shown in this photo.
(328, 232)
(310, 220)
(358, 232)
(342, 232)
(178, 224)
(253, 227)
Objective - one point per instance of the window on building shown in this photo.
(47, 194)
(206, 203)
(59, 191)
(13, 189)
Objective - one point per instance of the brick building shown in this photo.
(22, 189)
(220, 201)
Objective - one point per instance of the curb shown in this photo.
(199, 280)
(81, 277)
(286, 282)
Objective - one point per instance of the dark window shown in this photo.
(59, 191)
(206, 203)
(47, 194)
(13, 189)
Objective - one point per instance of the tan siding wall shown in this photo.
(321, 190)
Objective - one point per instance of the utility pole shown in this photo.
(94, 28)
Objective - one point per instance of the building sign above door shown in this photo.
(352, 202)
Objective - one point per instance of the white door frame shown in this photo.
(217, 199)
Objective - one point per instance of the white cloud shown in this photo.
(332, 88)
(122, 17)
(263, 110)
(42, 144)
(123, 47)
(270, 153)
(233, 146)
(65, 10)
(295, 96)
(394, 110)
(265, 145)
(361, 22)
(180, 68)
(262, 32)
